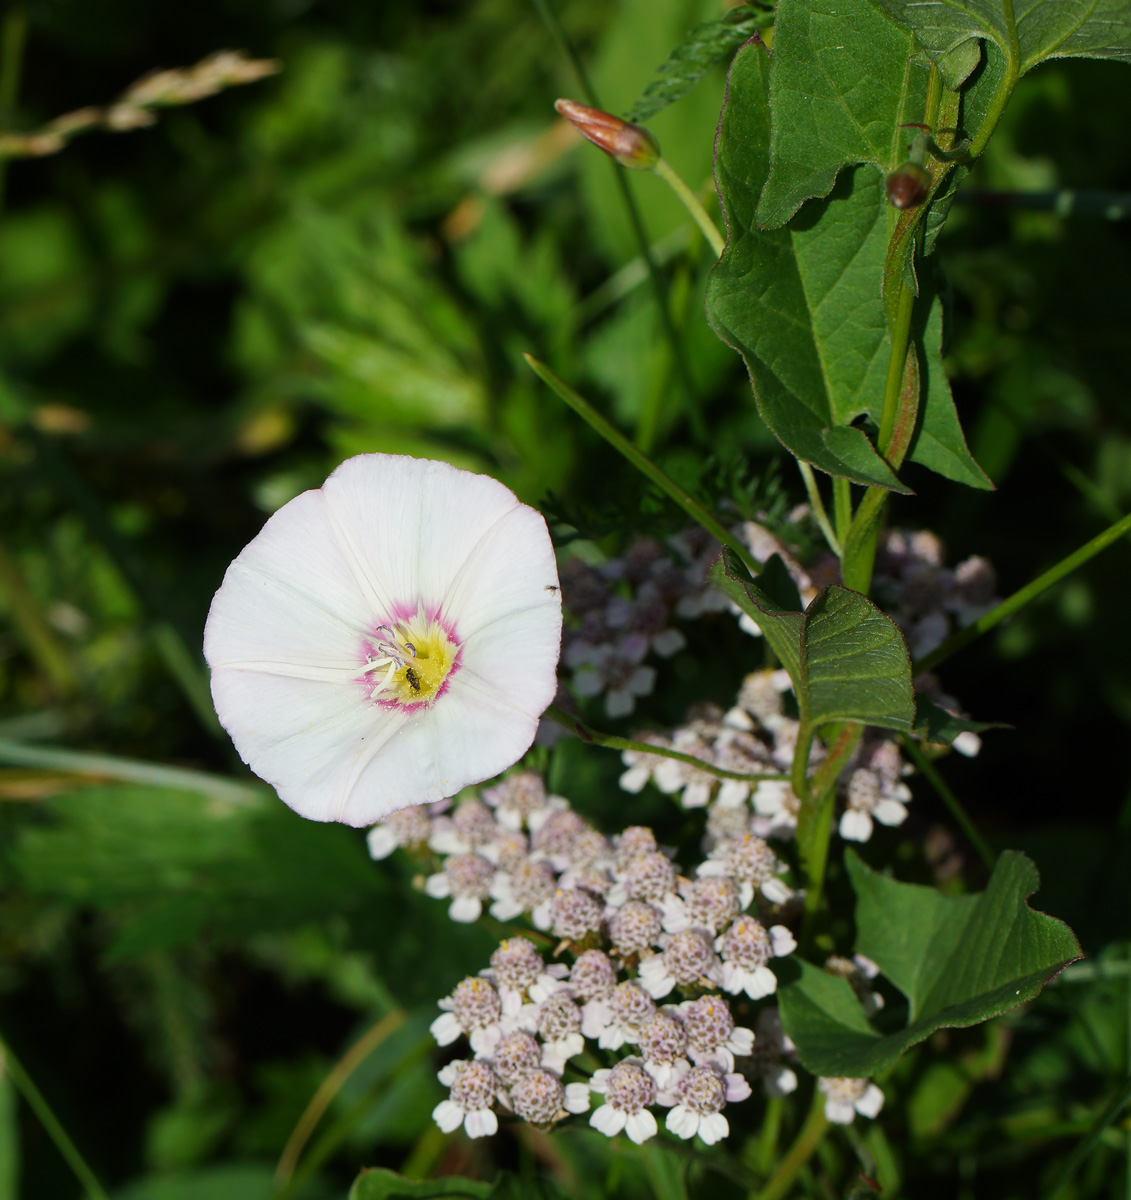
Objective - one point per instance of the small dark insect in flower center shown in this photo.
(410, 675)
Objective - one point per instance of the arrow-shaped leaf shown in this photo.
(959, 960)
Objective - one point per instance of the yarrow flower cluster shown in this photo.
(928, 600)
(757, 736)
(645, 961)
(626, 611)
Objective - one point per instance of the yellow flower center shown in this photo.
(410, 661)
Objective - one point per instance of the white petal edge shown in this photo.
(448, 1115)
(641, 1126)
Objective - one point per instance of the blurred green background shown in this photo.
(198, 320)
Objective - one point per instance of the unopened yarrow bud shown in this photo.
(630, 145)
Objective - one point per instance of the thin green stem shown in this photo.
(628, 278)
(695, 417)
(766, 1147)
(690, 201)
(842, 507)
(961, 816)
(329, 1088)
(1062, 202)
(129, 770)
(13, 39)
(343, 1126)
(51, 1124)
(1029, 592)
(1079, 1155)
(1005, 87)
(806, 1142)
(609, 742)
(643, 464)
(818, 505)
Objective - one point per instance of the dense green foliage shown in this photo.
(199, 319)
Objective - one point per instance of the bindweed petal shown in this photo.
(388, 639)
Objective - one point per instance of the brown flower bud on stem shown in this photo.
(908, 185)
(631, 145)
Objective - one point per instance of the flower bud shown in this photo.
(631, 145)
(908, 185)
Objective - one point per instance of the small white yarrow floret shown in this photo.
(474, 1090)
(474, 1008)
(844, 1098)
(540, 1098)
(745, 949)
(700, 1095)
(467, 879)
(687, 958)
(628, 1090)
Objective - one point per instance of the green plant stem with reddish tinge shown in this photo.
(815, 821)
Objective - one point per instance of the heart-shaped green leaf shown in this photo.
(847, 659)
(843, 79)
(803, 306)
(959, 960)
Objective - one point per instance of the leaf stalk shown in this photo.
(690, 201)
(588, 734)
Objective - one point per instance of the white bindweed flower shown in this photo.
(387, 639)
